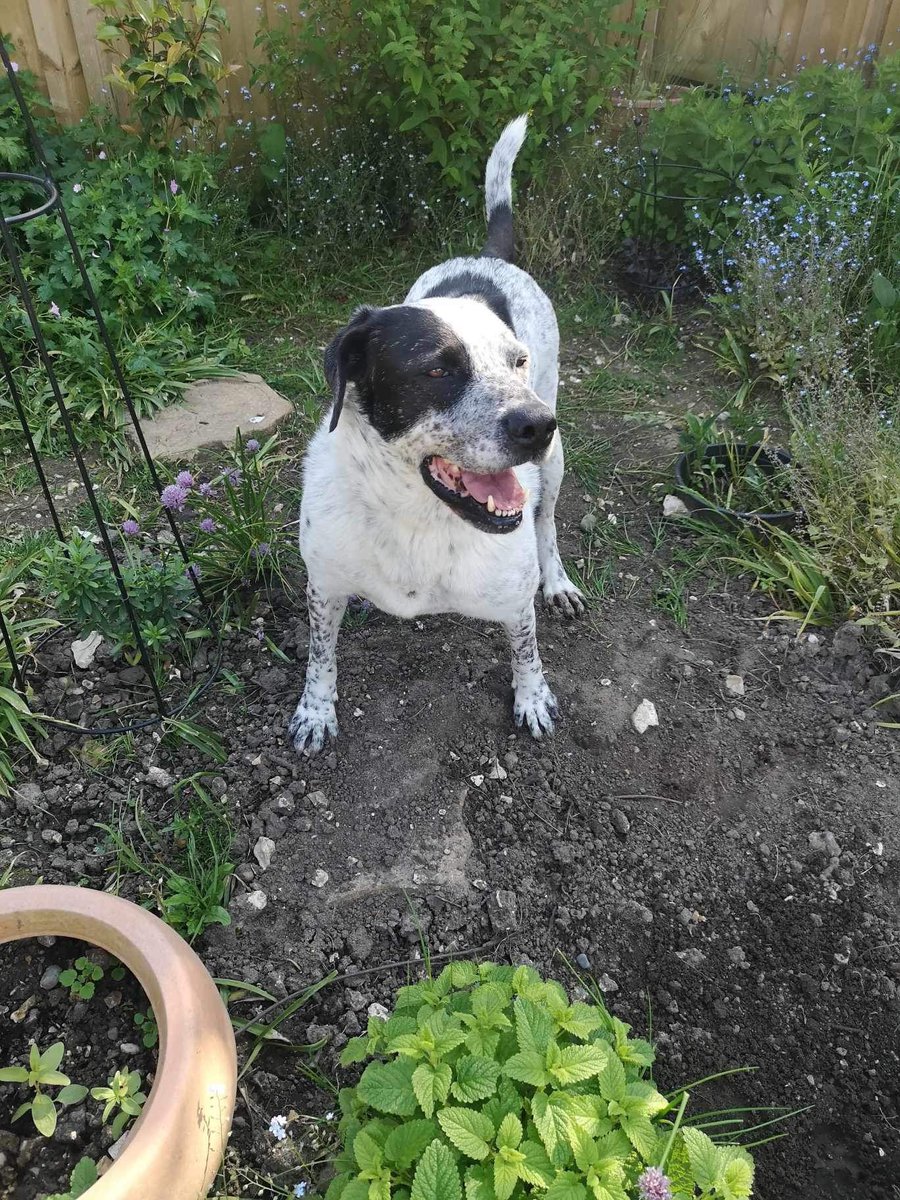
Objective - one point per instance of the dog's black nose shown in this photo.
(530, 428)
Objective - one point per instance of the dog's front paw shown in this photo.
(563, 597)
(311, 724)
(535, 706)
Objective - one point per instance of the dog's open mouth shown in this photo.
(492, 502)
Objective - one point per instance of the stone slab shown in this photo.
(211, 412)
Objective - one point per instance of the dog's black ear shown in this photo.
(345, 357)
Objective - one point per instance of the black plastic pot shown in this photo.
(769, 460)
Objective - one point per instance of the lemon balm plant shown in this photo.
(486, 1081)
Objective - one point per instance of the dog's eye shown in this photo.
(521, 361)
(436, 373)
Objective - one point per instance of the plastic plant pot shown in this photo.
(767, 459)
(175, 1147)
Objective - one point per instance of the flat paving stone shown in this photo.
(211, 412)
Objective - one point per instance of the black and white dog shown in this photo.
(442, 435)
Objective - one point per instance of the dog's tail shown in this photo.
(498, 191)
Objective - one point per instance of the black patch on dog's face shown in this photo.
(468, 285)
(404, 361)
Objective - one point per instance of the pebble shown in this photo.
(256, 900)
(129, 1048)
(619, 822)
(319, 879)
(607, 984)
(502, 910)
(734, 685)
(582, 960)
(378, 1011)
(644, 716)
(159, 778)
(50, 978)
(51, 836)
(263, 851)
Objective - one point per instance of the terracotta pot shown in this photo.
(177, 1143)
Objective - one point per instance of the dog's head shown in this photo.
(445, 381)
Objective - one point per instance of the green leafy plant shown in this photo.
(452, 76)
(173, 59)
(488, 1080)
(42, 1073)
(78, 579)
(81, 978)
(146, 1023)
(122, 1093)
(84, 1175)
(19, 726)
(185, 867)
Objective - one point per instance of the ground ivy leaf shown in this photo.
(566, 1186)
(576, 1063)
(527, 1067)
(736, 1172)
(431, 1085)
(437, 1176)
(366, 1151)
(611, 1077)
(534, 1027)
(388, 1087)
(536, 1167)
(405, 1143)
(469, 1131)
(505, 1178)
(475, 1078)
(581, 1020)
(641, 1134)
(510, 1131)
(703, 1156)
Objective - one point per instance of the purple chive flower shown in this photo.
(234, 476)
(185, 480)
(261, 550)
(208, 525)
(173, 187)
(192, 572)
(654, 1185)
(54, 309)
(252, 446)
(130, 528)
(207, 491)
(173, 497)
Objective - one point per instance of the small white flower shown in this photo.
(278, 1128)
(76, 187)
(300, 1189)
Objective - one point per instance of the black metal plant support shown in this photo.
(40, 179)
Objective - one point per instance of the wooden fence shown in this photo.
(686, 38)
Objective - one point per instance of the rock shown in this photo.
(502, 910)
(619, 822)
(824, 842)
(212, 411)
(254, 901)
(356, 1000)
(51, 836)
(50, 978)
(738, 957)
(319, 879)
(734, 685)
(692, 957)
(496, 771)
(606, 984)
(848, 641)
(674, 506)
(582, 960)
(129, 1048)
(84, 650)
(263, 851)
(644, 716)
(378, 1011)
(159, 778)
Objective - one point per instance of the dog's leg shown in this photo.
(559, 591)
(534, 704)
(315, 717)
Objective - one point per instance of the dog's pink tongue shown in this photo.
(503, 486)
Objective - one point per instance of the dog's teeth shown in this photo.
(490, 504)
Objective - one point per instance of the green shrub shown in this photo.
(172, 61)
(486, 1079)
(454, 74)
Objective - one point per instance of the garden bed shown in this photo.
(729, 877)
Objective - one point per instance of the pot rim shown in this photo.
(686, 459)
(175, 1147)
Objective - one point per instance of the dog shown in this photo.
(431, 484)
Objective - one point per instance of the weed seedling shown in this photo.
(84, 1176)
(146, 1023)
(43, 1072)
(123, 1093)
(81, 978)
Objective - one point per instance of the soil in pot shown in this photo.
(733, 484)
(101, 1036)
